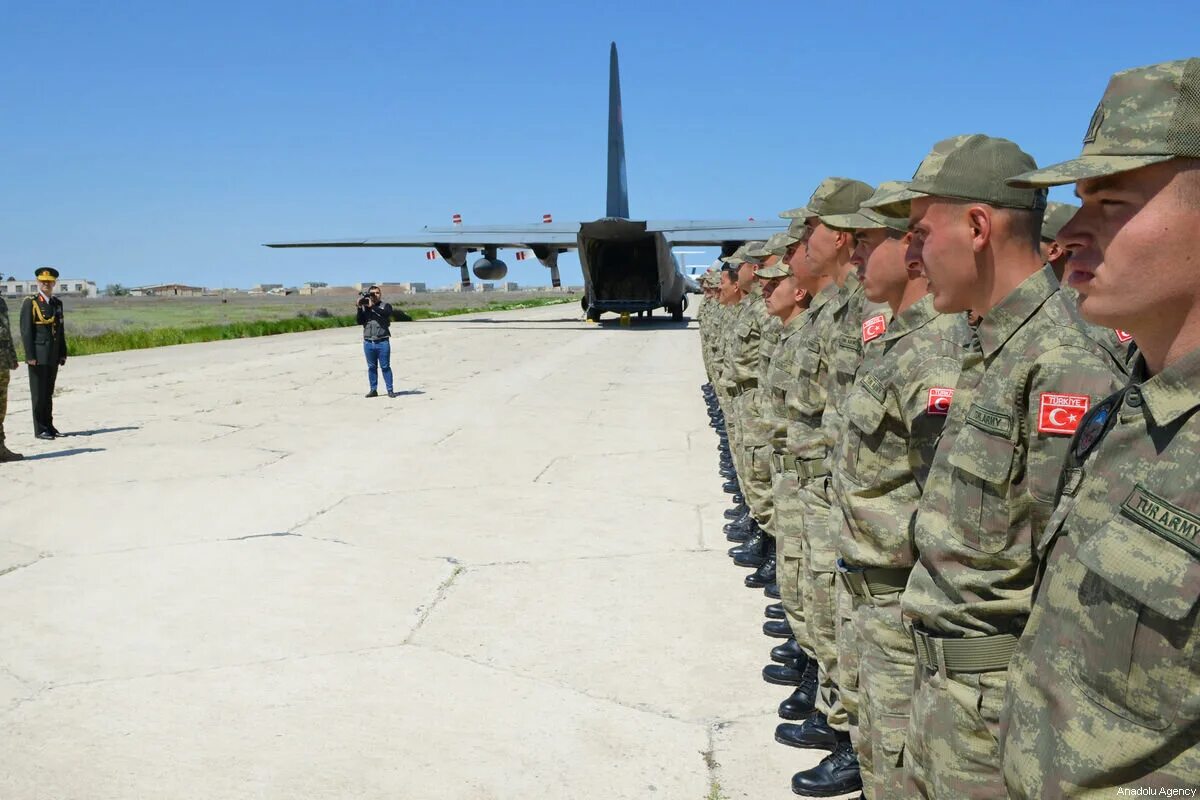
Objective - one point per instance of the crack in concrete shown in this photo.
(546, 469)
(712, 766)
(263, 536)
(447, 436)
(439, 594)
(10, 570)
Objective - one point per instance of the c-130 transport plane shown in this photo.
(628, 265)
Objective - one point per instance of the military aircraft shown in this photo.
(628, 265)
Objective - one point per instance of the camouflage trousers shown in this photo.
(4, 376)
(885, 681)
(952, 750)
(788, 521)
(820, 597)
(752, 459)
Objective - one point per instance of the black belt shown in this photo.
(376, 341)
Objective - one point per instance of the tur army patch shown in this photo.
(874, 327)
(1060, 414)
(1169, 521)
(990, 421)
(939, 401)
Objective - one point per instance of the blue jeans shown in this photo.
(379, 354)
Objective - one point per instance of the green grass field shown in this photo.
(106, 325)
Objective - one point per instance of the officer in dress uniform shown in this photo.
(45, 343)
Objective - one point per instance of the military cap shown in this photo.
(975, 168)
(780, 269)
(46, 274)
(1147, 115)
(742, 255)
(1057, 215)
(777, 245)
(832, 196)
(867, 218)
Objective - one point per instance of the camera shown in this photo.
(364, 297)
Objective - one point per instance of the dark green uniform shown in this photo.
(45, 343)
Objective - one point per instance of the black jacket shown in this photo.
(42, 331)
(376, 321)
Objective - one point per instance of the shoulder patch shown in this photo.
(1169, 521)
(1060, 414)
(939, 400)
(874, 327)
(1124, 337)
(874, 387)
(995, 422)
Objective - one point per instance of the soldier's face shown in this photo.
(1133, 248)
(728, 287)
(886, 275)
(781, 299)
(745, 276)
(47, 287)
(795, 258)
(821, 248)
(941, 244)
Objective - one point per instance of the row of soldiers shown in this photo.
(974, 496)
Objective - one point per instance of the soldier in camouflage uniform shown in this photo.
(892, 418)
(1028, 374)
(1104, 691)
(827, 252)
(1118, 344)
(8, 362)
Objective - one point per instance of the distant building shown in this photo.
(509, 287)
(167, 290)
(264, 288)
(66, 287)
(485, 287)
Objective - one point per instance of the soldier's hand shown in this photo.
(32, 362)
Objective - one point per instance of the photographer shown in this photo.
(376, 318)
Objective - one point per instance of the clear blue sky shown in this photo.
(146, 142)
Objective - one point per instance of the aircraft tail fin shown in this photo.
(618, 187)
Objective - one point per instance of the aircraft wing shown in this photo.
(558, 234)
(714, 232)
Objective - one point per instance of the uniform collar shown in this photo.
(824, 296)
(43, 297)
(910, 319)
(1173, 392)
(796, 324)
(1007, 317)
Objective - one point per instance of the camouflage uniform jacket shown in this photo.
(893, 416)
(8, 351)
(779, 377)
(1028, 373)
(758, 429)
(805, 398)
(741, 345)
(1105, 684)
(716, 343)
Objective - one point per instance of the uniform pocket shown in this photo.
(982, 465)
(1137, 638)
(893, 730)
(864, 415)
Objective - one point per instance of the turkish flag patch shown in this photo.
(874, 327)
(939, 400)
(1123, 337)
(1061, 413)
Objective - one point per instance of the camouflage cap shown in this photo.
(1057, 215)
(780, 269)
(742, 255)
(777, 245)
(867, 217)
(1147, 115)
(832, 196)
(975, 168)
(797, 230)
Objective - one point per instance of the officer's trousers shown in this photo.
(885, 680)
(41, 387)
(952, 750)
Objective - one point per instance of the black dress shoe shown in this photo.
(762, 576)
(371, 393)
(812, 734)
(54, 431)
(777, 628)
(730, 486)
(788, 653)
(737, 511)
(836, 774)
(783, 674)
(772, 591)
(797, 706)
(44, 435)
(774, 611)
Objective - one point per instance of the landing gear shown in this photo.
(676, 312)
(593, 315)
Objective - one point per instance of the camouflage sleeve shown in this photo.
(1063, 383)
(925, 400)
(8, 351)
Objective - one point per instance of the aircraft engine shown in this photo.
(489, 269)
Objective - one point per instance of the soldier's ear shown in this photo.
(979, 218)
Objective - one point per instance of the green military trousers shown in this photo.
(788, 521)
(753, 459)
(819, 590)
(952, 750)
(885, 681)
(4, 377)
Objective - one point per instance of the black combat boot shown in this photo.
(766, 571)
(777, 629)
(740, 529)
(728, 473)
(737, 511)
(836, 774)
(788, 653)
(772, 591)
(774, 611)
(803, 701)
(730, 487)
(812, 734)
(737, 499)
(784, 674)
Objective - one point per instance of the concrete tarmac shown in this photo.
(238, 578)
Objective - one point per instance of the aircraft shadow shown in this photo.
(64, 453)
(408, 392)
(98, 431)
